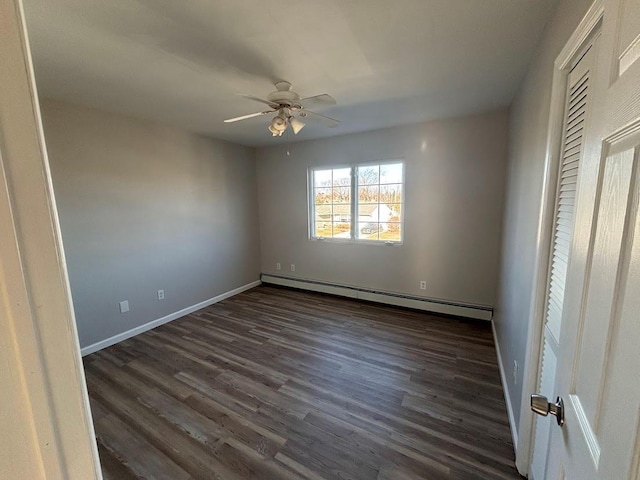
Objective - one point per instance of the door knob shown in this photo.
(541, 406)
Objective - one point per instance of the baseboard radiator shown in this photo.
(479, 312)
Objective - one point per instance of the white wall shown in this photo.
(454, 191)
(144, 207)
(527, 143)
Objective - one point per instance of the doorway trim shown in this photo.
(589, 24)
(42, 360)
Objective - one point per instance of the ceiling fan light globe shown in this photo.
(279, 123)
(296, 125)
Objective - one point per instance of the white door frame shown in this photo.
(48, 432)
(531, 373)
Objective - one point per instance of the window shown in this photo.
(361, 202)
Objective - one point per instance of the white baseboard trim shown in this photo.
(166, 319)
(479, 312)
(505, 389)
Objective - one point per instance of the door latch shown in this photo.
(541, 406)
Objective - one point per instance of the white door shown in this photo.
(576, 102)
(598, 374)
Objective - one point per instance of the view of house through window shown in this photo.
(362, 202)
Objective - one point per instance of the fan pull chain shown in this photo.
(288, 143)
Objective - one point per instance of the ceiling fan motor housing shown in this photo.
(283, 95)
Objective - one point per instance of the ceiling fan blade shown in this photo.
(244, 117)
(267, 102)
(296, 125)
(318, 101)
(328, 121)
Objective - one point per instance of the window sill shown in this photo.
(386, 243)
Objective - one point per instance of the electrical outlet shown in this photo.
(293, 267)
(423, 284)
(515, 372)
(278, 266)
(124, 306)
(160, 294)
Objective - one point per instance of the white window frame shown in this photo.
(354, 238)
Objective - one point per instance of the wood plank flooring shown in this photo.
(276, 383)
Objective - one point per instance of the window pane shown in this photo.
(342, 195)
(369, 175)
(322, 178)
(391, 193)
(341, 213)
(391, 173)
(368, 212)
(369, 194)
(322, 195)
(376, 212)
(396, 212)
(323, 212)
(341, 230)
(332, 203)
(323, 216)
(323, 229)
(380, 190)
(341, 176)
(390, 232)
(368, 230)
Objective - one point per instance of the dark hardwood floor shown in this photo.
(276, 383)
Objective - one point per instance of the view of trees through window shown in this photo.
(376, 213)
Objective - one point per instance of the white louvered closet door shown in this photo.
(575, 119)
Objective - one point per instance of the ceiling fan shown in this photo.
(290, 109)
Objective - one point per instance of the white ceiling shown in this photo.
(181, 62)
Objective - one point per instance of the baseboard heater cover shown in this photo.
(479, 312)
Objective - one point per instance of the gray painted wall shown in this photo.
(143, 208)
(454, 192)
(527, 144)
